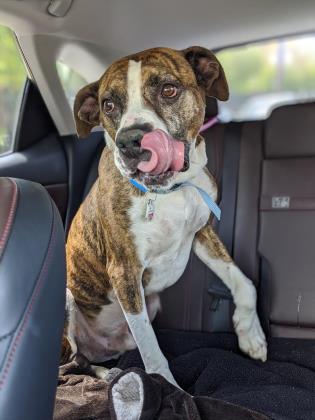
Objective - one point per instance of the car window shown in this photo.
(264, 75)
(71, 81)
(12, 81)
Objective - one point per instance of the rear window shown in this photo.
(264, 75)
(71, 81)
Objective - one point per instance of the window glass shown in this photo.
(12, 80)
(264, 75)
(71, 81)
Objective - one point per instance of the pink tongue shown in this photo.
(166, 153)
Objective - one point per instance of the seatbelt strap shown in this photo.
(231, 157)
(232, 145)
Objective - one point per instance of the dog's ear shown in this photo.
(209, 72)
(86, 109)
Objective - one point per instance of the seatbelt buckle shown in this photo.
(216, 297)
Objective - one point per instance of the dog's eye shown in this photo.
(169, 91)
(108, 106)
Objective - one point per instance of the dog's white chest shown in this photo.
(164, 243)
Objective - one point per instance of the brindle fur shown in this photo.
(101, 253)
(209, 239)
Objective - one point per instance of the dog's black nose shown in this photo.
(130, 138)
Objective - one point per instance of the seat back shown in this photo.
(287, 220)
(274, 237)
(32, 299)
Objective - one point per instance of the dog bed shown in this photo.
(207, 366)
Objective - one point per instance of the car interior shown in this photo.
(261, 153)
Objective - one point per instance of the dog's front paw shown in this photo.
(251, 338)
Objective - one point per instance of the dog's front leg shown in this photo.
(213, 253)
(130, 295)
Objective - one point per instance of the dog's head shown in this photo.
(157, 95)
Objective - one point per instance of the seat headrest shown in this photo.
(290, 131)
(211, 108)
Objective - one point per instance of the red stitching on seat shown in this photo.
(8, 224)
(35, 293)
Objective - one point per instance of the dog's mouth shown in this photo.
(158, 158)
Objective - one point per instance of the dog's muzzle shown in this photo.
(152, 156)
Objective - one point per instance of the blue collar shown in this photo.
(204, 195)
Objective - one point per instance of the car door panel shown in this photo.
(38, 153)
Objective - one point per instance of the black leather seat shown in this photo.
(32, 300)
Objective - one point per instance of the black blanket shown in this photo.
(211, 365)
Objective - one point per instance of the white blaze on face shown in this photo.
(134, 91)
(137, 112)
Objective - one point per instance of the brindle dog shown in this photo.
(117, 259)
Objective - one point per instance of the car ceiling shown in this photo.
(130, 25)
(108, 29)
